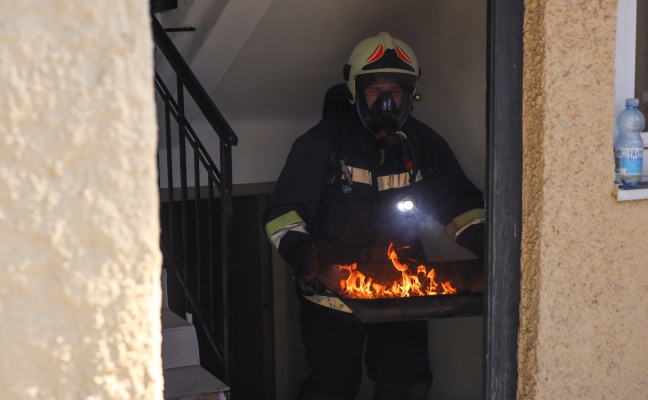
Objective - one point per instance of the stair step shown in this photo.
(193, 383)
(179, 342)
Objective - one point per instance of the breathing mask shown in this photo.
(385, 116)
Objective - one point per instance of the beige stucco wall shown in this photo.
(584, 310)
(79, 276)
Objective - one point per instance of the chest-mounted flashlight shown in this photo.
(406, 205)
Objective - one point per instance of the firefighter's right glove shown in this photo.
(300, 250)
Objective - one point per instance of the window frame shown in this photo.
(626, 44)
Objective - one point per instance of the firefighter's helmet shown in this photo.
(380, 57)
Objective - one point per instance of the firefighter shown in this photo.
(335, 203)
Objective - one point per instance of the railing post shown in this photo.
(183, 182)
(191, 281)
(169, 162)
(227, 240)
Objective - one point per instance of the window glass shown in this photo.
(641, 60)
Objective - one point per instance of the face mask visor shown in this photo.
(385, 113)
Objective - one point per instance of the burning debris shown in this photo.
(423, 283)
(401, 288)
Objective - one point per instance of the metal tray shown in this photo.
(466, 276)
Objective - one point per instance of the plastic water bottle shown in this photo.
(628, 145)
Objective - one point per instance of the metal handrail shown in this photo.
(192, 137)
(195, 89)
(181, 242)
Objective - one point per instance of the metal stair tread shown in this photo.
(184, 382)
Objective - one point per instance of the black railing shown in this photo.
(196, 219)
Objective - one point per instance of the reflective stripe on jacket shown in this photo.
(310, 192)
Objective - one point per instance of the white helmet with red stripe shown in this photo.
(381, 57)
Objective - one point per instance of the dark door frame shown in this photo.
(503, 198)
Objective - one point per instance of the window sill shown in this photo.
(639, 193)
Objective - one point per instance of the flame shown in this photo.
(423, 283)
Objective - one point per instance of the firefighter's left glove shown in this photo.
(473, 239)
(300, 250)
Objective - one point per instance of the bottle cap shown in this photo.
(632, 102)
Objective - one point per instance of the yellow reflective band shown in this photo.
(359, 175)
(281, 222)
(396, 181)
(463, 221)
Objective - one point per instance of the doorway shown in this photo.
(504, 199)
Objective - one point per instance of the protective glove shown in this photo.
(300, 250)
(472, 238)
(310, 287)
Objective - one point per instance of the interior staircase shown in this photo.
(184, 378)
(196, 214)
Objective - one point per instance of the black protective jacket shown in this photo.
(313, 193)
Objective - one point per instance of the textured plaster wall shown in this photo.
(79, 286)
(584, 309)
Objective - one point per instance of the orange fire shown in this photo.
(357, 285)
